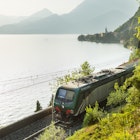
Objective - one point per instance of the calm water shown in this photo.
(28, 63)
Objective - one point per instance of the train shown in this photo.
(72, 98)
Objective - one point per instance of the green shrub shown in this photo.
(92, 115)
(136, 78)
(134, 96)
(116, 97)
(53, 133)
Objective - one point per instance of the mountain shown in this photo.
(10, 19)
(39, 15)
(94, 16)
(42, 14)
(5, 20)
(91, 16)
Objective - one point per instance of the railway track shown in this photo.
(36, 134)
(31, 127)
(69, 129)
(27, 126)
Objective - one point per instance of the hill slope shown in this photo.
(127, 30)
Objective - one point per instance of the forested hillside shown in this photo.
(127, 30)
(123, 34)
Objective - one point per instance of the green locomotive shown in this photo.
(72, 98)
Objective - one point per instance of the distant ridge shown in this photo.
(40, 15)
(91, 16)
(10, 19)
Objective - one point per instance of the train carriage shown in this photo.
(72, 98)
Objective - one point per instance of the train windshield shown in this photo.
(66, 95)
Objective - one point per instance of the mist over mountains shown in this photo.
(4, 20)
(91, 16)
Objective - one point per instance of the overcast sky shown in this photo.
(28, 7)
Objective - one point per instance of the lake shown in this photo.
(29, 63)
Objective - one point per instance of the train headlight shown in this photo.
(69, 112)
(57, 109)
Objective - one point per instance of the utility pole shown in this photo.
(52, 107)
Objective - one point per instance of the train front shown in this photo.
(64, 104)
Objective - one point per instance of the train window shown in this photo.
(69, 95)
(65, 94)
(62, 93)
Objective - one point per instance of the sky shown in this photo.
(28, 7)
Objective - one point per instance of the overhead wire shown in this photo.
(37, 76)
(34, 80)
(54, 76)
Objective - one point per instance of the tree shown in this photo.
(38, 106)
(86, 69)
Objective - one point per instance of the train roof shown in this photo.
(83, 81)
